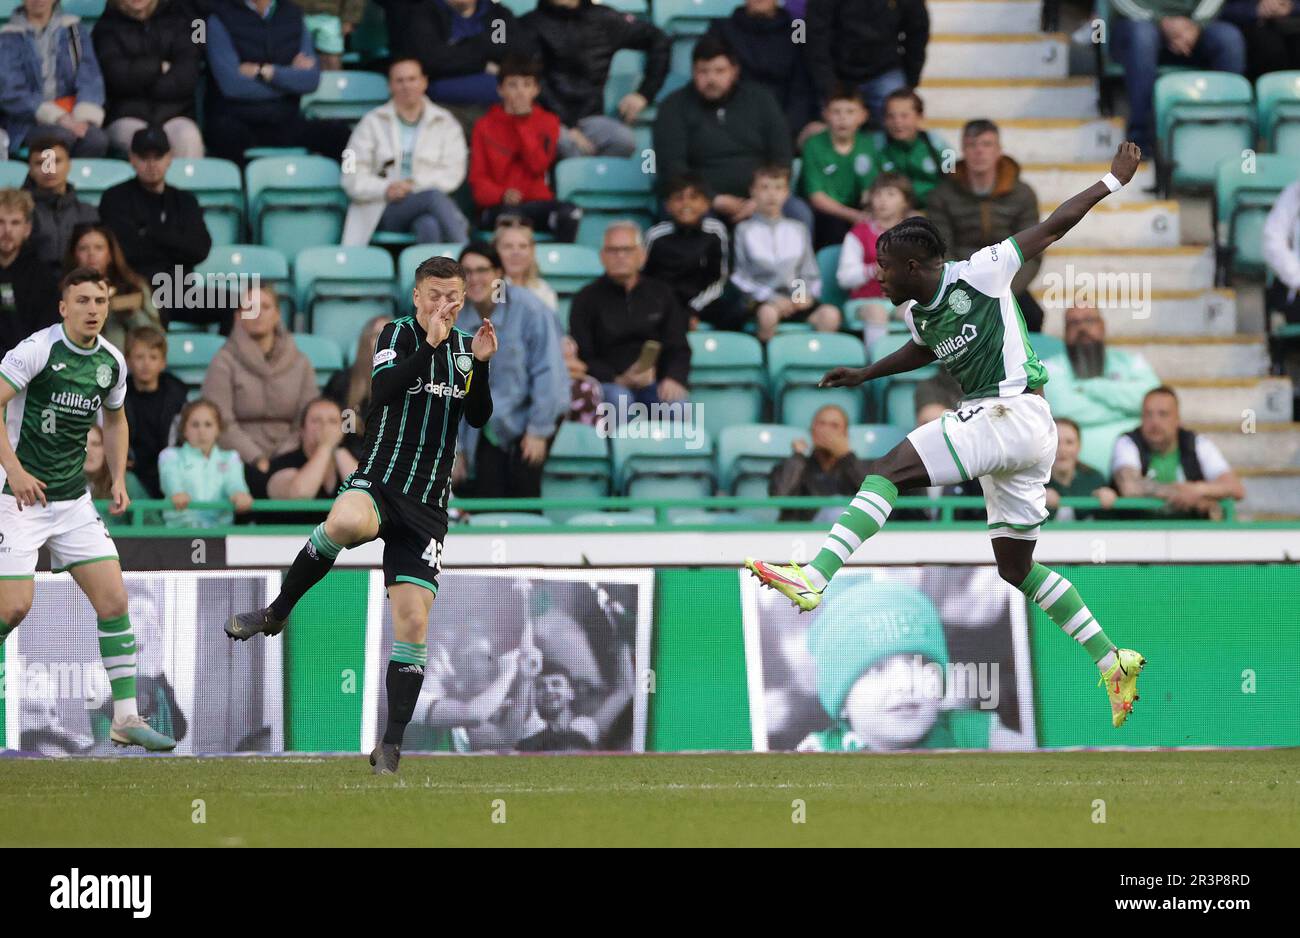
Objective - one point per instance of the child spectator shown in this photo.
(154, 398)
(776, 271)
(888, 202)
(839, 165)
(200, 471)
(513, 146)
(129, 305)
(907, 148)
(329, 22)
(517, 248)
(585, 394)
(690, 254)
(99, 478)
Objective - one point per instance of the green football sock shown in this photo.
(409, 653)
(117, 648)
(865, 516)
(1058, 598)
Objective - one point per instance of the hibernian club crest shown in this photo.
(959, 302)
(103, 376)
(464, 362)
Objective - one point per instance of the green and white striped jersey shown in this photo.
(61, 388)
(975, 327)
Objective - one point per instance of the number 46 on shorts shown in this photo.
(433, 554)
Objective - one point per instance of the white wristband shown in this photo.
(1111, 183)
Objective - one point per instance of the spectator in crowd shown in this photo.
(614, 317)
(776, 271)
(29, 290)
(1146, 34)
(585, 394)
(154, 398)
(160, 227)
(57, 209)
(722, 128)
(200, 471)
(261, 383)
(1072, 478)
(151, 71)
(530, 387)
(1272, 32)
(577, 40)
(316, 468)
(1280, 241)
(1162, 459)
(260, 64)
(889, 201)
(99, 477)
(1098, 387)
(50, 79)
(691, 253)
(907, 147)
(409, 156)
(513, 147)
(984, 201)
(129, 304)
(349, 388)
(517, 247)
(330, 22)
(839, 165)
(760, 31)
(831, 468)
(878, 45)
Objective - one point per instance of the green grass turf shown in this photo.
(1151, 799)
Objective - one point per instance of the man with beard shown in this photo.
(564, 730)
(1099, 388)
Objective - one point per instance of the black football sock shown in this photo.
(310, 566)
(405, 678)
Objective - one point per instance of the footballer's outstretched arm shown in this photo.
(909, 357)
(1033, 241)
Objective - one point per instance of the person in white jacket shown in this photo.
(403, 161)
(1281, 247)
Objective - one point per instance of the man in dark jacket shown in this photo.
(260, 64)
(151, 71)
(760, 33)
(58, 210)
(878, 45)
(29, 291)
(577, 40)
(830, 469)
(985, 202)
(160, 227)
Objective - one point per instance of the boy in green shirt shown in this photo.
(839, 165)
(907, 148)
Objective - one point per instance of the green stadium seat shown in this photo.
(220, 191)
(325, 355)
(1242, 202)
(655, 460)
(189, 355)
(747, 454)
(262, 153)
(1277, 101)
(339, 288)
(345, 96)
(392, 238)
(591, 229)
(577, 466)
(1201, 118)
(610, 519)
(607, 183)
(410, 259)
(88, 10)
(639, 8)
(896, 394)
(519, 7)
(689, 17)
(7, 8)
(626, 71)
(797, 361)
(13, 173)
(568, 267)
(828, 259)
(369, 41)
(93, 176)
(295, 202)
(873, 440)
(508, 519)
(227, 261)
(728, 380)
(855, 319)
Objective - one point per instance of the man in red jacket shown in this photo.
(513, 146)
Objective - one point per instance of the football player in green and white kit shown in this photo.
(963, 314)
(55, 383)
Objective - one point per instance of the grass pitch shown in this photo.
(1227, 798)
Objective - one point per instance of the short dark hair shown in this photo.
(322, 399)
(843, 91)
(1070, 423)
(520, 66)
(79, 275)
(549, 668)
(979, 126)
(46, 141)
(772, 171)
(405, 58)
(916, 233)
(906, 94)
(710, 46)
(190, 407)
(895, 181)
(684, 181)
(1161, 389)
(443, 268)
(147, 336)
(482, 249)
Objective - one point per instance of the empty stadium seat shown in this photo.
(410, 259)
(896, 394)
(577, 466)
(220, 191)
(324, 353)
(89, 10)
(728, 381)
(339, 288)
(226, 262)
(748, 453)
(1277, 103)
(568, 267)
(12, 174)
(797, 361)
(92, 177)
(873, 440)
(189, 355)
(1242, 201)
(608, 189)
(295, 202)
(655, 460)
(1201, 118)
(689, 17)
(345, 96)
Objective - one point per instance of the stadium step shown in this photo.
(1188, 267)
(1270, 446)
(1167, 313)
(1056, 182)
(1044, 140)
(997, 55)
(1228, 400)
(1200, 356)
(999, 98)
(1135, 225)
(1272, 492)
(973, 17)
